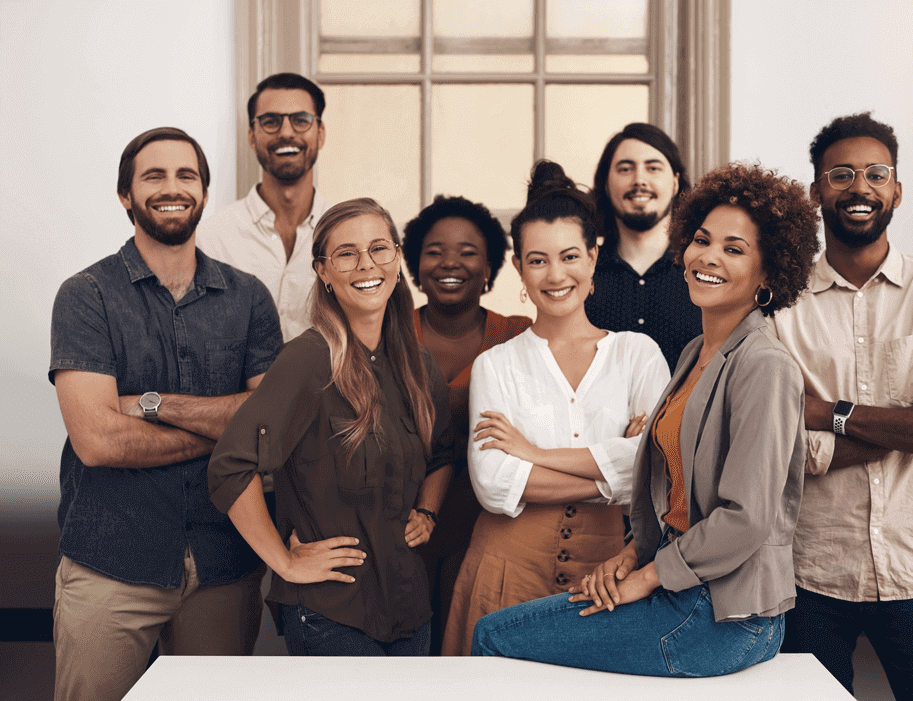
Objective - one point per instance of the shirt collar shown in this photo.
(258, 208)
(824, 275)
(207, 274)
(611, 259)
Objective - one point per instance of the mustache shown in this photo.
(639, 191)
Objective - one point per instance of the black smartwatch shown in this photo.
(150, 403)
(842, 411)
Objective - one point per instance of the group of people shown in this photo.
(259, 390)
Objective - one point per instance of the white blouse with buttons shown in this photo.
(522, 380)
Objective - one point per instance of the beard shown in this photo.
(286, 169)
(643, 221)
(853, 235)
(173, 232)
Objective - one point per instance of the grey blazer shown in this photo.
(743, 456)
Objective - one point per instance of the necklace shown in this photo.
(449, 338)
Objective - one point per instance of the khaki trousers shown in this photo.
(105, 630)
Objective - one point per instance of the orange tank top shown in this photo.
(666, 436)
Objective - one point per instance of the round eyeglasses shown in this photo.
(271, 122)
(346, 259)
(841, 178)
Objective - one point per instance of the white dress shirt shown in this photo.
(244, 235)
(522, 380)
(854, 539)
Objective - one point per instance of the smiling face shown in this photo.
(641, 185)
(555, 265)
(859, 215)
(453, 268)
(364, 291)
(286, 155)
(167, 195)
(724, 264)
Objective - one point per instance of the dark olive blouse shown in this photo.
(289, 427)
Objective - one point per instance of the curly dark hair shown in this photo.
(787, 223)
(848, 127)
(474, 212)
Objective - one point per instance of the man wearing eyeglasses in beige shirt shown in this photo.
(852, 335)
(269, 233)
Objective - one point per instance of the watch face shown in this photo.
(843, 408)
(150, 400)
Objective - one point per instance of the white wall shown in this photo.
(78, 80)
(797, 64)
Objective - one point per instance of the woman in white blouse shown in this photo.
(557, 413)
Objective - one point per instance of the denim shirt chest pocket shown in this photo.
(363, 470)
(899, 362)
(225, 364)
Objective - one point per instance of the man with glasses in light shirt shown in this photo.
(269, 233)
(852, 335)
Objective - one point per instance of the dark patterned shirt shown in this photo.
(116, 318)
(655, 303)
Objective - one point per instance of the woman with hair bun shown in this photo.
(702, 587)
(556, 413)
(352, 421)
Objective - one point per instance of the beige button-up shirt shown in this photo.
(244, 235)
(854, 539)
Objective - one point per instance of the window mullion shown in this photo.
(539, 28)
(426, 63)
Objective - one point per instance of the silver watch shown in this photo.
(150, 403)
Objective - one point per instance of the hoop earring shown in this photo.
(523, 295)
(770, 297)
(592, 286)
(399, 275)
(686, 276)
(329, 287)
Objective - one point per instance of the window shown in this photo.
(461, 96)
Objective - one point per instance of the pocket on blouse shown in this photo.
(899, 356)
(363, 470)
(225, 364)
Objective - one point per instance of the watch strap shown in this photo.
(429, 514)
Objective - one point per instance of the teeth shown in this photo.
(367, 284)
(172, 208)
(288, 149)
(859, 209)
(451, 281)
(708, 278)
(557, 293)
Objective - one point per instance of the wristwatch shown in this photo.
(842, 411)
(150, 403)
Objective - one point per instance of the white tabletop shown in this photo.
(446, 678)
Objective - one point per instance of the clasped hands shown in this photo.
(616, 581)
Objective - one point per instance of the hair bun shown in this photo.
(547, 176)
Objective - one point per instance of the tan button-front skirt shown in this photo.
(545, 550)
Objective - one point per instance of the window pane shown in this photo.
(367, 36)
(372, 146)
(580, 119)
(482, 142)
(588, 36)
(481, 35)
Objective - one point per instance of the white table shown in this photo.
(784, 678)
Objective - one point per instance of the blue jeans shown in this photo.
(668, 634)
(307, 633)
(829, 628)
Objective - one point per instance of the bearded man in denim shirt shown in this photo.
(152, 351)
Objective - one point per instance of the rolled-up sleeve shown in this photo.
(498, 479)
(269, 425)
(766, 413)
(820, 451)
(649, 375)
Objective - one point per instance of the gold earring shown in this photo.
(770, 297)
(399, 275)
(592, 286)
(523, 296)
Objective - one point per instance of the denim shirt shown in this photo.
(116, 318)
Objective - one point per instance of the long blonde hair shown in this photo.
(351, 372)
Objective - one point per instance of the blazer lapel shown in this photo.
(699, 402)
